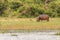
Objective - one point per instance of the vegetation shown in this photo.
(29, 24)
(28, 8)
(57, 33)
(20, 14)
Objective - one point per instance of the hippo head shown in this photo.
(38, 19)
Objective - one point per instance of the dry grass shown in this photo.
(29, 23)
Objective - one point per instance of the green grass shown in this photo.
(29, 23)
(57, 33)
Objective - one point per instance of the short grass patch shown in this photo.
(57, 33)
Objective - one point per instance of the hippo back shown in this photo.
(43, 17)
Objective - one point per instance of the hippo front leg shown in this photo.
(47, 19)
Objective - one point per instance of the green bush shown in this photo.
(29, 8)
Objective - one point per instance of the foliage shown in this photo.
(29, 8)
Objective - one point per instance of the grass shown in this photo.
(14, 35)
(29, 24)
(57, 33)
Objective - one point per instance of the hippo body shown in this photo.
(43, 17)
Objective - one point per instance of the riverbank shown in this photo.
(27, 31)
(29, 36)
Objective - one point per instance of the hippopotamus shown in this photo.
(43, 17)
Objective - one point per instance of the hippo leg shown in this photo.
(47, 19)
(38, 20)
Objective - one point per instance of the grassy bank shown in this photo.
(29, 23)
